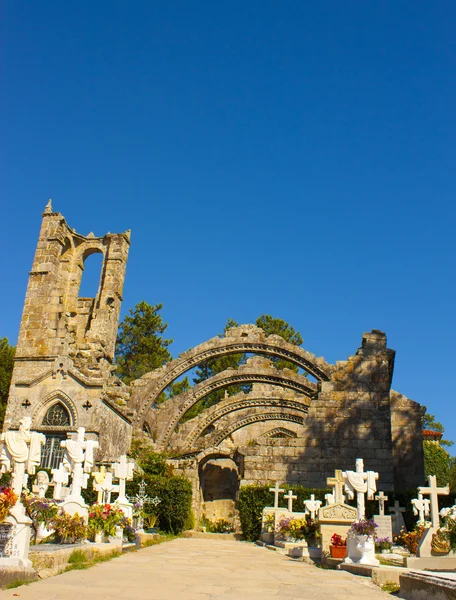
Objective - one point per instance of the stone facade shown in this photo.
(66, 343)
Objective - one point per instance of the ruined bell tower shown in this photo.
(62, 376)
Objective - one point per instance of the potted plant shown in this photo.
(104, 520)
(362, 541)
(383, 545)
(338, 546)
(8, 499)
(149, 522)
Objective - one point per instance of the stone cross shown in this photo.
(104, 486)
(360, 482)
(337, 483)
(21, 453)
(59, 480)
(381, 503)
(123, 471)
(329, 499)
(434, 492)
(312, 505)
(397, 518)
(421, 507)
(290, 497)
(277, 490)
(79, 460)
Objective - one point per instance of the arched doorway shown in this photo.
(219, 484)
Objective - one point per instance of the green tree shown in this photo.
(274, 326)
(6, 370)
(437, 461)
(140, 346)
(431, 424)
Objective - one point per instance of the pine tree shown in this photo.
(6, 371)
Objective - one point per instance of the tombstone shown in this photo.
(384, 522)
(79, 460)
(312, 506)
(41, 485)
(20, 454)
(337, 516)
(124, 471)
(398, 522)
(361, 483)
(60, 478)
(425, 546)
(421, 507)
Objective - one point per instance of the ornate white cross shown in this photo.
(290, 497)
(381, 503)
(434, 492)
(337, 483)
(104, 487)
(421, 507)
(360, 482)
(277, 490)
(78, 459)
(123, 471)
(312, 505)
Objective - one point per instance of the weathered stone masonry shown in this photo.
(289, 427)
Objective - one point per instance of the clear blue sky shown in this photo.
(293, 158)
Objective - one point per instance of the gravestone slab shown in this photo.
(335, 518)
(385, 526)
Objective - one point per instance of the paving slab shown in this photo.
(201, 569)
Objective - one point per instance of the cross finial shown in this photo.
(277, 490)
(290, 497)
(337, 483)
(381, 503)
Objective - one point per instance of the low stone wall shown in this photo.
(10, 575)
(49, 559)
(418, 586)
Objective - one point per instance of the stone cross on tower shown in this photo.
(360, 482)
(277, 490)
(421, 507)
(312, 505)
(337, 483)
(381, 503)
(434, 492)
(290, 497)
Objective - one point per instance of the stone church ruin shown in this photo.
(293, 427)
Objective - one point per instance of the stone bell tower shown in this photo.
(62, 376)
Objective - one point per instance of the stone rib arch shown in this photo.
(170, 413)
(278, 432)
(240, 402)
(243, 339)
(258, 418)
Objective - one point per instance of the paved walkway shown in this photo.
(201, 569)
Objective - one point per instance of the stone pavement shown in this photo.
(201, 569)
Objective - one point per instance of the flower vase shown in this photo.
(366, 546)
(99, 537)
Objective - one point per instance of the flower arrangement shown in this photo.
(8, 499)
(104, 518)
(40, 510)
(383, 543)
(337, 540)
(300, 529)
(448, 528)
(364, 527)
(411, 539)
(69, 529)
(269, 522)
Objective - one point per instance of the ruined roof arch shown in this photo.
(189, 436)
(171, 412)
(242, 339)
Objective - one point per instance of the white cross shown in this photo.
(290, 497)
(59, 479)
(105, 489)
(434, 492)
(312, 505)
(381, 503)
(277, 490)
(337, 483)
(421, 507)
(123, 471)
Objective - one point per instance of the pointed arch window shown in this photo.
(57, 416)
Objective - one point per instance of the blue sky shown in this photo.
(293, 158)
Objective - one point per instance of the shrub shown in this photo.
(253, 498)
(219, 526)
(411, 539)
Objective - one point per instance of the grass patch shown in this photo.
(79, 560)
(78, 557)
(168, 537)
(17, 583)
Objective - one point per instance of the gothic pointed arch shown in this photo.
(278, 432)
(58, 397)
